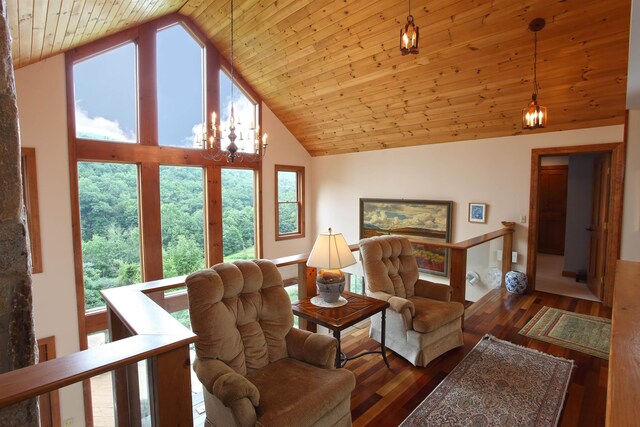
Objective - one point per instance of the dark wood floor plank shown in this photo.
(386, 396)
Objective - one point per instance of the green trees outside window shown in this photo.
(110, 229)
(182, 213)
(238, 214)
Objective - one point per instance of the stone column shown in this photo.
(17, 337)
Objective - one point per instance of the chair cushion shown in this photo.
(294, 393)
(240, 313)
(431, 314)
(389, 265)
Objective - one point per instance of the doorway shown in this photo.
(569, 214)
(574, 220)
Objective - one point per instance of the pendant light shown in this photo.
(409, 36)
(534, 116)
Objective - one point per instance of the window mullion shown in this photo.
(213, 216)
(150, 224)
(147, 78)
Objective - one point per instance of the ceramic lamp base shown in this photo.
(330, 292)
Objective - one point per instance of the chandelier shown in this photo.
(534, 116)
(212, 143)
(409, 36)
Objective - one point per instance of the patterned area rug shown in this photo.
(588, 334)
(497, 384)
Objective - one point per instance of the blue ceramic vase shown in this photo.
(516, 282)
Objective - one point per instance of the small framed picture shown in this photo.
(478, 212)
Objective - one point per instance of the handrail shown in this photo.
(469, 243)
(34, 380)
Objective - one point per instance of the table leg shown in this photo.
(336, 335)
(382, 338)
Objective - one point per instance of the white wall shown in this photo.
(43, 125)
(495, 171)
(284, 149)
(554, 161)
(630, 248)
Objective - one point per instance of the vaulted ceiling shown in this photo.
(333, 74)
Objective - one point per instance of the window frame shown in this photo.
(148, 156)
(300, 194)
(32, 209)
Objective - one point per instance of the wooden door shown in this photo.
(598, 228)
(553, 209)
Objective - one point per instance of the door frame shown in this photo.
(618, 154)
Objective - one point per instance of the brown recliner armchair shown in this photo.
(255, 368)
(422, 323)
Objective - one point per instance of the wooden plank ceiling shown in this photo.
(332, 71)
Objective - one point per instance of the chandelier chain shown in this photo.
(232, 52)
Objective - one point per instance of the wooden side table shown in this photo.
(357, 309)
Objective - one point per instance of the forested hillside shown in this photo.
(110, 224)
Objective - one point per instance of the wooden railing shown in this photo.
(458, 269)
(141, 328)
(623, 391)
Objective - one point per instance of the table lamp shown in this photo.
(330, 253)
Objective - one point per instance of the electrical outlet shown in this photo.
(523, 219)
(68, 422)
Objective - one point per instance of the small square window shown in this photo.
(289, 202)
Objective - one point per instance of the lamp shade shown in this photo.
(331, 252)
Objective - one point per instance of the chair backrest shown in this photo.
(389, 265)
(240, 313)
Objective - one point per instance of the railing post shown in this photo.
(306, 289)
(170, 388)
(126, 390)
(507, 247)
(302, 290)
(457, 280)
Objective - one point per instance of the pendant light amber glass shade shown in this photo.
(409, 37)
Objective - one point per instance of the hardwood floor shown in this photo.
(385, 397)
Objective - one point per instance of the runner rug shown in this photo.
(588, 334)
(497, 384)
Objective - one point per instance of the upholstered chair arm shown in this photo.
(312, 348)
(233, 390)
(432, 290)
(405, 308)
(400, 305)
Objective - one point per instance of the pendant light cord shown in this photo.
(535, 63)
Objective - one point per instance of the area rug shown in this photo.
(497, 384)
(588, 334)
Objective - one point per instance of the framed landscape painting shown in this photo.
(422, 221)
